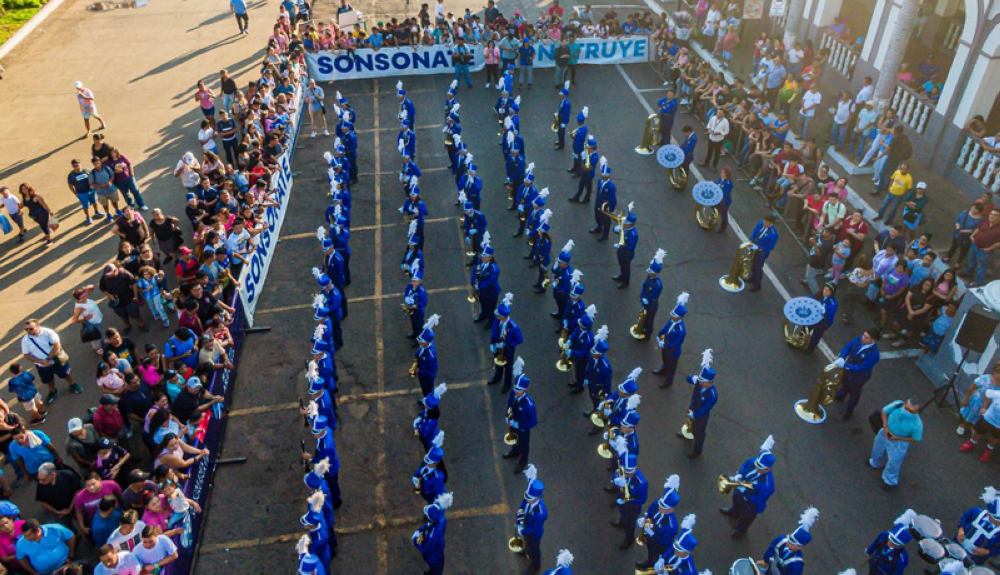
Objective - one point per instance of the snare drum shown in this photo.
(926, 527)
(980, 570)
(744, 567)
(931, 551)
(956, 551)
(961, 570)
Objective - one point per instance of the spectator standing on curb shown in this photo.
(120, 287)
(985, 242)
(899, 185)
(88, 106)
(844, 106)
(168, 234)
(965, 224)
(460, 57)
(41, 346)
(101, 178)
(317, 110)
(561, 56)
(56, 488)
(574, 58)
(125, 180)
(79, 183)
(811, 99)
(526, 61)
(13, 205)
(899, 150)
(508, 51)
(188, 170)
(901, 427)
(38, 210)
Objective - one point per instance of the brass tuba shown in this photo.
(726, 485)
(742, 266)
(823, 392)
(650, 136)
(638, 331)
(604, 449)
(797, 336)
(555, 121)
(707, 216)
(516, 543)
(498, 358)
(678, 177)
(618, 217)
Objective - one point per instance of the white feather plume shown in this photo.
(432, 321)
(544, 193)
(456, 108)
(322, 467)
(602, 334)
(401, 147)
(510, 138)
(441, 389)
(546, 216)
(631, 206)
(619, 446)
(313, 409)
(457, 139)
(602, 162)
(659, 255)
(849, 571)
(808, 518)
(339, 97)
(321, 233)
(989, 495)
(316, 501)
(633, 401)
(906, 518)
(486, 239)
(569, 245)
(707, 358)
(316, 273)
(673, 482)
(531, 472)
(768, 444)
(508, 299)
(444, 500)
(412, 229)
(634, 375)
(518, 366)
(312, 372)
(414, 269)
(566, 85)
(319, 332)
(462, 198)
(438, 440)
(565, 558)
(414, 182)
(302, 547)
(576, 277)
(318, 301)
(689, 521)
(507, 122)
(591, 311)
(585, 111)
(327, 156)
(337, 143)
(454, 84)
(683, 298)
(517, 100)
(530, 168)
(399, 85)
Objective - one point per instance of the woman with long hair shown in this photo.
(38, 210)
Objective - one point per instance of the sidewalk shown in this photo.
(146, 96)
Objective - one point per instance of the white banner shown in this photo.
(367, 63)
(255, 270)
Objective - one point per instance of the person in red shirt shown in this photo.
(855, 230)
(108, 420)
(985, 242)
(555, 10)
(186, 266)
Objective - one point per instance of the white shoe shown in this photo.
(487, 85)
(960, 430)
(326, 132)
(313, 135)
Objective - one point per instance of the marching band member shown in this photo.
(725, 182)
(513, 113)
(320, 396)
(607, 198)
(668, 110)
(428, 539)
(342, 243)
(504, 339)
(471, 184)
(406, 141)
(415, 210)
(979, 529)
(533, 220)
(703, 398)
(326, 369)
(522, 417)
(858, 358)
(659, 523)
(314, 480)
(750, 502)
(346, 113)
(429, 479)
(764, 238)
(688, 145)
(414, 255)
(485, 281)
(461, 159)
(597, 376)
(580, 341)
(526, 194)
(407, 111)
(330, 309)
(318, 541)
(309, 563)
(587, 158)
(514, 168)
(426, 424)
(562, 116)
(531, 517)
(415, 300)
(615, 406)
(579, 141)
(326, 448)
(503, 104)
(671, 340)
(626, 251)
(508, 79)
(628, 422)
(409, 169)
(350, 139)
(449, 98)
(541, 250)
(454, 130)
(575, 306)
(473, 226)
(652, 287)
(633, 490)
(678, 560)
(563, 563)
(562, 273)
(827, 297)
(333, 266)
(321, 340)
(345, 163)
(426, 355)
(784, 554)
(887, 553)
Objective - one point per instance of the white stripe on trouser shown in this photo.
(888, 453)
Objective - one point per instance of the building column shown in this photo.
(898, 40)
(793, 21)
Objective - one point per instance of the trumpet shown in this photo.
(726, 485)
(546, 280)
(638, 331)
(586, 160)
(618, 217)
(597, 417)
(408, 308)
(678, 177)
(516, 543)
(555, 122)
(604, 449)
(413, 370)
(510, 191)
(499, 359)
(741, 268)
(417, 487)
(447, 140)
(640, 539)
(626, 492)
(797, 336)
(565, 363)
(650, 136)
(474, 296)
(522, 216)
(420, 538)
(686, 428)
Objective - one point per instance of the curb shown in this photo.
(29, 27)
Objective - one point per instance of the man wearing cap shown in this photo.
(318, 546)
(633, 490)
(505, 336)
(473, 226)
(193, 399)
(887, 553)
(579, 141)
(606, 200)
(88, 106)
(858, 358)
(659, 524)
(626, 251)
(531, 517)
(565, 107)
(428, 539)
(670, 340)
(589, 156)
(485, 281)
(82, 443)
(413, 258)
(522, 417)
(748, 502)
(784, 554)
(764, 238)
(186, 266)
(979, 529)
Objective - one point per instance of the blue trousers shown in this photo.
(838, 135)
(462, 71)
(889, 454)
(889, 207)
(978, 262)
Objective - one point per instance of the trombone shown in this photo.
(617, 216)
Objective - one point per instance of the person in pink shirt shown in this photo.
(88, 107)
(206, 100)
(10, 530)
(86, 501)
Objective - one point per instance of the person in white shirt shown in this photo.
(41, 346)
(13, 205)
(156, 550)
(840, 119)
(711, 21)
(439, 12)
(794, 57)
(114, 562)
(810, 100)
(718, 129)
(865, 131)
(128, 536)
(206, 136)
(187, 170)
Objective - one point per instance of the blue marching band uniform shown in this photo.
(597, 376)
(505, 336)
(530, 520)
(887, 554)
(670, 340)
(428, 539)
(626, 250)
(522, 417)
(678, 560)
(763, 238)
(784, 555)
(562, 116)
(562, 278)
(649, 295)
(667, 112)
(541, 247)
(748, 502)
(606, 201)
(587, 169)
(524, 198)
(577, 348)
(658, 527)
(579, 141)
(485, 281)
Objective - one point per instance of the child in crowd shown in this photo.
(22, 384)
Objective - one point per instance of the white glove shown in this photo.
(513, 425)
(617, 229)
(690, 414)
(473, 231)
(468, 240)
(416, 422)
(619, 481)
(649, 531)
(520, 208)
(618, 246)
(408, 300)
(404, 267)
(562, 126)
(645, 301)
(737, 477)
(401, 176)
(839, 362)
(416, 482)
(416, 535)
(493, 348)
(660, 343)
(640, 521)
(520, 531)
(605, 436)
(400, 210)
(659, 566)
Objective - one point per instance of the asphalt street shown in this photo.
(253, 521)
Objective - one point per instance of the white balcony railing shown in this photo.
(979, 163)
(953, 34)
(912, 108)
(843, 58)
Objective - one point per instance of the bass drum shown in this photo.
(744, 566)
(931, 551)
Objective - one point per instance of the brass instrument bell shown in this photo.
(726, 486)
(707, 217)
(413, 370)
(826, 388)
(638, 331)
(740, 270)
(516, 544)
(498, 359)
(640, 539)
(510, 438)
(555, 121)
(678, 177)
(797, 336)
(565, 363)
(604, 449)
(686, 431)
(650, 136)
